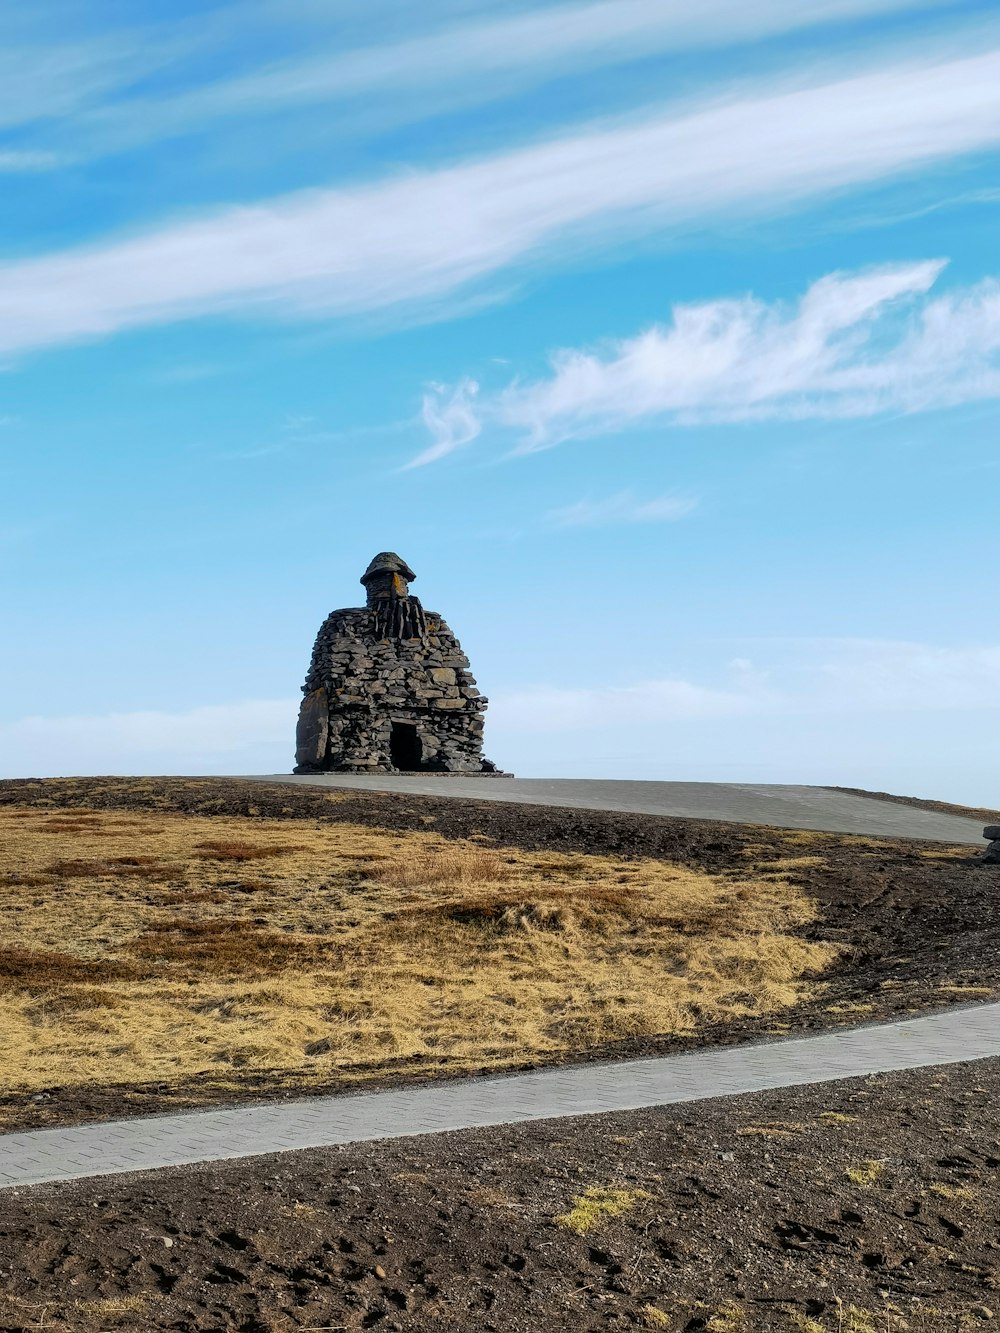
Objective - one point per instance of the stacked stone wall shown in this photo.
(364, 677)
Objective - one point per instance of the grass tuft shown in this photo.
(731, 1317)
(218, 849)
(803, 1324)
(149, 867)
(866, 1173)
(595, 1205)
(945, 1191)
(112, 1307)
(776, 1131)
(454, 867)
(654, 1317)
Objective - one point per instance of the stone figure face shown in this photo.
(387, 576)
(386, 585)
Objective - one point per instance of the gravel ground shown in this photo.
(866, 1206)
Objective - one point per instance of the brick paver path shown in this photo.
(205, 1136)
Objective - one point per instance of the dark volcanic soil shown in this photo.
(982, 812)
(867, 1206)
(919, 923)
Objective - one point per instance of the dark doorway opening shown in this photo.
(405, 749)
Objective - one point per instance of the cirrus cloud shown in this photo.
(416, 237)
(855, 344)
(450, 416)
(625, 507)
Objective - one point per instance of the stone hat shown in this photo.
(387, 562)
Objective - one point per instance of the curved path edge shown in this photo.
(49, 1155)
(775, 805)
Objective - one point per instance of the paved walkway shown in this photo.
(208, 1136)
(734, 802)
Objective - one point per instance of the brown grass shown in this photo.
(221, 849)
(357, 950)
(148, 866)
(37, 969)
(456, 866)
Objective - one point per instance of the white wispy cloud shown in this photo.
(900, 677)
(218, 737)
(72, 66)
(795, 678)
(450, 417)
(483, 58)
(44, 79)
(553, 708)
(22, 160)
(625, 507)
(855, 344)
(425, 234)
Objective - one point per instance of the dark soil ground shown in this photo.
(982, 812)
(918, 923)
(867, 1206)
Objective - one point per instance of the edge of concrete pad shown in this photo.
(797, 806)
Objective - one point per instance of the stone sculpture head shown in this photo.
(387, 576)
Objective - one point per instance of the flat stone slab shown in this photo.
(209, 1136)
(777, 806)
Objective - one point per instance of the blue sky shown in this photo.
(662, 340)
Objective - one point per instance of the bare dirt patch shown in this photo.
(868, 1206)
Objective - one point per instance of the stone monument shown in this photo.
(389, 689)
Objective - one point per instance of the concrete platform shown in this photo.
(775, 805)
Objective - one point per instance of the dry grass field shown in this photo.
(148, 946)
